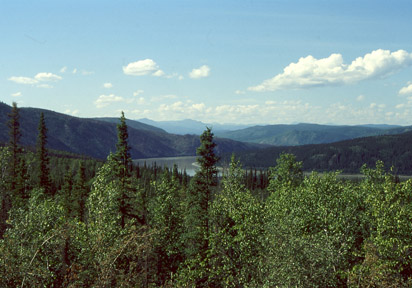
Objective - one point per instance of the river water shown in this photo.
(186, 162)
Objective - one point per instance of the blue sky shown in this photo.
(250, 62)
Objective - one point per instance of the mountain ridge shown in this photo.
(97, 138)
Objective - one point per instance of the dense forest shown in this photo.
(71, 221)
(347, 156)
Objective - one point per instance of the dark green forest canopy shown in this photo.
(347, 156)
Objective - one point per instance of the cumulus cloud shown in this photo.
(46, 77)
(406, 90)
(142, 67)
(311, 72)
(158, 73)
(108, 85)
(200, 72)
(23, 80)
(63, 69)
(39, 79)
(105, 100)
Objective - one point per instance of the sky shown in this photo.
(246, 62)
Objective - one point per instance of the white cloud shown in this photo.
(142, 67)
(311, 72)
(74, 71)
(47, 77)
(17, 94)
(63, 69)
(108, 85)
(200, 72)
(23, 80)
(158, 73)
(240, 92)
(40, 77)
(105, 100)
(406, 90)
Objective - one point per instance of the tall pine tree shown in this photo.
(199, 196)
(43, 157)
(124, 168)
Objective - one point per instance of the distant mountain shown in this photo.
(98, 137)
(347, 156)
(189, 126)
(302, 134)
(381, 126)
(132, 124)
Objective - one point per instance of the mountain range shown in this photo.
(321, 147)
(189, 126)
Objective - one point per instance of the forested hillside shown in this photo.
(97, 138)
(130, 226)
(347, 156)
(302, 134)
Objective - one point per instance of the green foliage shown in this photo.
(287, 173)
(36, 250)
(237, 236)
(388, 250)
(315, 229)
(166, 216)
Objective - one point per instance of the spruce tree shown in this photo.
(14, 190)
(124, 166)
(14, 144)
(43, 157)
(199, 196)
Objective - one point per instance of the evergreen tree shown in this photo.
(14, 144)
(124, 168)
(43, 157)
(198, 200)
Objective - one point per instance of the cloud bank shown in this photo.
(312, 72)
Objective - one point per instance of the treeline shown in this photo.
(156, 227)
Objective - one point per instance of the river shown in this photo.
(185, 162)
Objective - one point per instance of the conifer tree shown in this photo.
(43, 157)
(14, 144)
(198, 200)
(124, 167)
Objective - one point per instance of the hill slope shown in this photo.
(97, 138)
(302, 134)
(348, 156)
